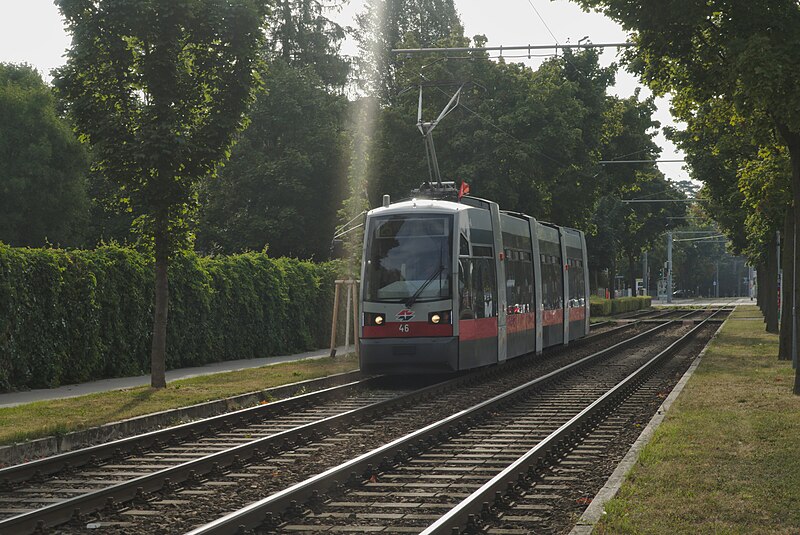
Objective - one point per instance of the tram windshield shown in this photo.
(409, 258)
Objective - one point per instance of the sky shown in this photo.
(32, 31)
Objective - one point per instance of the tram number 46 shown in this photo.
(405, 328)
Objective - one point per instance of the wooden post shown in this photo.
(351, 289)
(335, 318)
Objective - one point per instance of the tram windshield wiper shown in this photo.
(413, 298)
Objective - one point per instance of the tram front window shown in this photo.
(409, 258)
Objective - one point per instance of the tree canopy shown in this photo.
(733, 61)
(43, 167)
(287, 170)
(290, 165)
(386, 24)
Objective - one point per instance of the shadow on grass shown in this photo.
(134, 400)
(745, 340)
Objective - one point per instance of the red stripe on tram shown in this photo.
(577, 313)
(516, 323)
(477, 329)
(553, 317)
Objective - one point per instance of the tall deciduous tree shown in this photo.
(303, 36)
(42, 165)
(289, 166)
(644, 223)
(745, 51)
(287, 171)
(384, 24)
(528, 139)
(159, 88)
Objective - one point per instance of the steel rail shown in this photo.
(110, 450)
(471, 507)
(254, 514)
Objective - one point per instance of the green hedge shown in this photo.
(73, 316)
(610, 307)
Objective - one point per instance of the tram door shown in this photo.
(478, 306)
(552, 274)
(519, 285)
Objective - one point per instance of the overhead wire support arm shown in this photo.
(716, 239)
(607, 162)
(529, 48)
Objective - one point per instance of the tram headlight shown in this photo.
(372, 319)
(441, 317)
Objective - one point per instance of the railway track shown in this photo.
(671, 313)
(84, 479)
(70, 486)
(130, 486)
(471, 468)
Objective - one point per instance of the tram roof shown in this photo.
(424, 205)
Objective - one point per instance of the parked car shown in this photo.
(682, 294)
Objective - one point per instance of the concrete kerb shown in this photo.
(595, 511)
(43, 447)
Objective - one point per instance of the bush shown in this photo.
(610, 307)
(72, 316)
(599, 306)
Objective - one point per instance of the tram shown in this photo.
(452, 282)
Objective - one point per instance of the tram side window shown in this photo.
(552, 285)
(519, 282)
(477, 288)
(577, 289)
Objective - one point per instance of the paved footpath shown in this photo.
(70, 391)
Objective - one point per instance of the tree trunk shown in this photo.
(612, 280)
(793, 144)
(771, 289)
(158, 352)
(760, 276)
(787, 262)
(288, 32)
(791, 307)
(632, 274)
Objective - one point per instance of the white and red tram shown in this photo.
(451, 285)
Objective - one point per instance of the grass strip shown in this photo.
(726, 459)
(54, 417)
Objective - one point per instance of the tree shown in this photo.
(746, 183)
(287, 170)
(43, 167)
(289, 167)
(627, 132)
(159, 88)
(302, 36)
(744, 51)
(644, 223)
(384, 24)
(527, 139)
